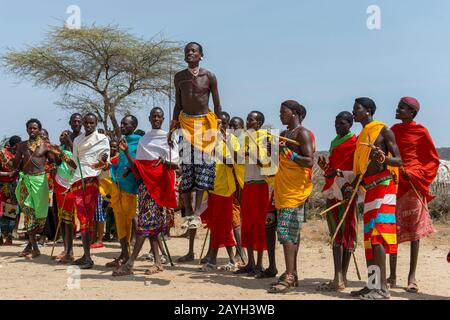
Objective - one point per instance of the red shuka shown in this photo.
(159, 181)
(419, 156)
(341, 157)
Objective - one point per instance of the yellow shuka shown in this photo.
(201, 131)
(292, 185)
(226, 176)
(369, 134)
(256, 144)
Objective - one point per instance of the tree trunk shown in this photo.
(115, 125)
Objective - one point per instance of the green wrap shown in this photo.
(37, 197)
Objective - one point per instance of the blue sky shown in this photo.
(264, 52)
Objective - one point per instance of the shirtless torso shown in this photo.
(32, 156)
(193, 92)
(386, 143)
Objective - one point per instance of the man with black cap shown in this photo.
(420, 166)
(376, 149)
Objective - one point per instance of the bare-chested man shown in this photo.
(32, 188)
(376, 149)
(199, 128)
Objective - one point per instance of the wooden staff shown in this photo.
(59, 222)
(354, 192)
(332, 207)
(167, 249)
(356, 265)
(203, 247)
(415, 191)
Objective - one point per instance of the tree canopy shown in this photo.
(100, 69)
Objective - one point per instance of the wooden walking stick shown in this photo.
(355, 191)
(332, 207)
(415, 191)
(203, 247)
(356, 265)
(59, 223)
(347, 209)
(167, 249)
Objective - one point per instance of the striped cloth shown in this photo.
(379, 213)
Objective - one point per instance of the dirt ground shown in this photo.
(42, 278)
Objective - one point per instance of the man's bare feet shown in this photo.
(412, 287)
(65, 259)
(33, 254)
(24, 252)
(123, 270)
(331, 286)
(391, 282)
(154, 269)
(59, 256)
(186, 258)
(116, 263)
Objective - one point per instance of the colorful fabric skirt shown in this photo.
(379, 213)
(197, 172)
(151, 219)
(289, 224)
(86, 201)
(66, 202)
(413, 220)
(33, 225)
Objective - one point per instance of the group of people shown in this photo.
(246, 184)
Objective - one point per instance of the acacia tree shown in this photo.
(105, 70)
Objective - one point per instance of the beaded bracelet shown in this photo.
(293, 156)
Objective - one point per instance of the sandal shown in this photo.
(150, 257)
(97, 245)
(228, 267)
(83, 263)
(195, 223)
(33, 254)
(412, 287)
(283, 276)
(330, 287)
(255, 272)
(116, 263)
(164, 259)
(24, 253)
(375, 294)
(123, 270)
(187, 221)
(391, 282)
(208, 267)
(154, 269)
(243, 270)
(358, 293)
(284, 285)
(65, 260)
(186, 258)
(266, 274)
(59, 256)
